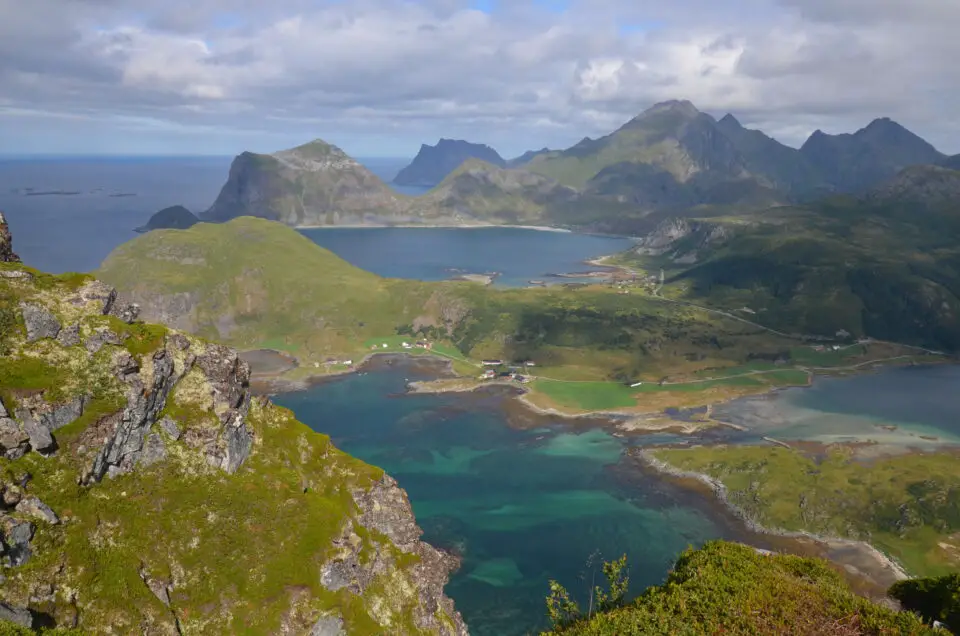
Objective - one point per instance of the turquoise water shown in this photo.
(521, 507)
(518, 255)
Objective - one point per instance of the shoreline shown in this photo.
(719, 490)
(472, 226)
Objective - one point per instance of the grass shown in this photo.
(732, 589)
(908, 505)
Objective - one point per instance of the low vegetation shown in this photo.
(727, 588)
(906, 505)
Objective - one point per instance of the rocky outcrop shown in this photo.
(386, 509)
(683, 239)
(40, 323)
(6, 243)
(102, 298)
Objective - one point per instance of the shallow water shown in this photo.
(520, 506)
(905, 407)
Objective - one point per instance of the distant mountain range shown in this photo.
(671, 160)
(433, 163)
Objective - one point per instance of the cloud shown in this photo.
(382, 76)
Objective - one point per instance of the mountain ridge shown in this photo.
(433, 163)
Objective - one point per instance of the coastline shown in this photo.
(884, 561)
(472, 226)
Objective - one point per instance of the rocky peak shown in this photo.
(6, 243)
(729, 121)
(434, 163)
(681, 107)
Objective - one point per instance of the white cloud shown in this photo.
(526, 76)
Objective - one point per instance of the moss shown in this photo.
(28, 373)
(138, 338)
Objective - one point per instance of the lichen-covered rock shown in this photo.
(32, 507)
(96, 296)
(328, 626)
(6, 243)
(229, 379)
(170, 427)
(127, 312)
(154, 450)
(69, 336)
(14, 441)
(102, 337)
(40, 323)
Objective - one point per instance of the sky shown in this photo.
(380, 77)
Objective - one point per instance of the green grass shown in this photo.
(907, 505)
(588, 396)
(727, 588)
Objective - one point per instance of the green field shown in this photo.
(909, 505)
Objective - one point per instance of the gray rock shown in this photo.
(102, 337)
(32, 507)
(69, 336)
(3, 410)
(127, 312)
(96, 292)
(38, 434)
(180, 341)
(40, 322)
(16, 615)
(328, 626)
(17, 535)
(16, 274)
(125, 440)
(13, 439)
(11, 495)
(160, 589)
(239, 441)
(62, 414)
(170, 427)
(154, 450)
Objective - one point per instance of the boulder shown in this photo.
(17, 535)
(69, 336)
(32, 507)
(154, 450)
(170, 427)
(102, 337)
(40, 323)
(16, 615)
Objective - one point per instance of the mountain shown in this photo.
(526, 157)
(313, 184)
(783, 167)
(854, 162)
(951, 162)
(145, 490)
(672, 136)
(884, 265)
(498, 195)
(175, 217)
(433, 163)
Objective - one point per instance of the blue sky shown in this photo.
(380, 77)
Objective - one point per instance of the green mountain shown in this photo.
(854, 162)
(885, 265)
(433, 163)
(145, 490)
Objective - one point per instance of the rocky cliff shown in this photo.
(6, 243)
(433, 163)
(144, 490)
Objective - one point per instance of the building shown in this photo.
(489, 374)
(492, 363)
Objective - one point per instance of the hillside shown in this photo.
(884, 265)
(433, 163)
(727, 588)
(146, 491)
